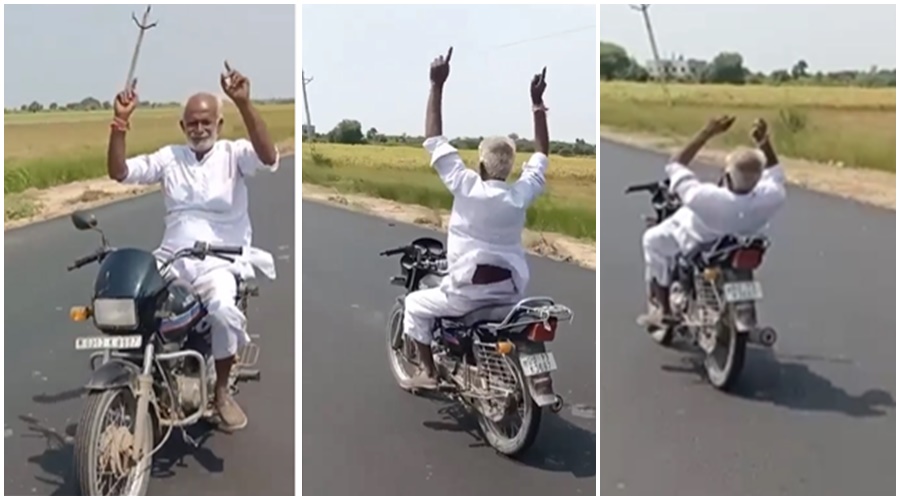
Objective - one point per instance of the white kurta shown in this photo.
(709, 212)
(485, 227)
(206, 200)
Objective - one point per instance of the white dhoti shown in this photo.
(215, 281)
(423, 307)
(661, 246)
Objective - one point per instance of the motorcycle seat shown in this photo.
(705, 254)
(493, 313)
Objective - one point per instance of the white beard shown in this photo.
(204, 145)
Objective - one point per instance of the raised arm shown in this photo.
(444, 157)
(237, 88)
(760, 135)
(123, 106)
(440, 70)
(713, 128)
(541, 134)
(532, 181)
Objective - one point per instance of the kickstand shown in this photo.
(188, 439)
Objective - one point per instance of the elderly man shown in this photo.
(486, 261)
(747, 197)
(206, 200)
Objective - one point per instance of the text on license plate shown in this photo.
(742, 291)
(108, 342)
(535, 364)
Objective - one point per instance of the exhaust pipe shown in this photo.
(557, 405)
(763, 336)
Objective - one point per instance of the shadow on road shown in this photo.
(57, 459)
(560, 445)
(794, 386)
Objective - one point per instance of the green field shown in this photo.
(403, 174)
(51, 148)
(853, 126)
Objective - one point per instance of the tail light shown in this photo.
(538, 332)
(746, 258)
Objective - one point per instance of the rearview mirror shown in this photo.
(84, 221)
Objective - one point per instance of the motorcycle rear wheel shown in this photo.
(519, 442)
(723, 371)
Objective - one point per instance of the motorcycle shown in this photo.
(155, 367)
(493, 360)
(713, 294)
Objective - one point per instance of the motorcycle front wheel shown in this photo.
(103, 442)
(508, 439)
(400, 352)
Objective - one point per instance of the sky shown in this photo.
(370, 63)
(85, 50)
(770, 37)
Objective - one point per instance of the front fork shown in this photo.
(144, 392)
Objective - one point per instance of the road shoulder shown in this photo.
(872, 187)
(550, 245)
(38, 205)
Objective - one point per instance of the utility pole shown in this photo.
(306, 81)
(644, 10)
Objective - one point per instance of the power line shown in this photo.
(543, 37)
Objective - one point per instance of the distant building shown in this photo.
(676, 68)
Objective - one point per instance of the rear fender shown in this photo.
(113, 374)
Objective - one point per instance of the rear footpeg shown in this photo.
(763, 336)
(248, 356)
(247, 374)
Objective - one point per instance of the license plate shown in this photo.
(108, 342)
(535, 364)
(742, 291)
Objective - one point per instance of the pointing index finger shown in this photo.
(543, 73)
(227, 66)
(449, 54)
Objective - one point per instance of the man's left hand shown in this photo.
(235, 85)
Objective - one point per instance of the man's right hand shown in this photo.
(760, 131)
(720, 124)
(538, 85)
(125, 102)
(440, 68)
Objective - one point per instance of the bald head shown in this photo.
(744, 167)
(201, 120)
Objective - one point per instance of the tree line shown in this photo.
(728, 68)
(93, 104)
(351, 132)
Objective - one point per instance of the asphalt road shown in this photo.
(362, 435)
(43, 373)
(815, 417)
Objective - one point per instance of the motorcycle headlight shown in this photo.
(115, 313)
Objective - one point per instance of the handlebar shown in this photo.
(85, 261)
(394, 251)
(650, 186)
(200, 250)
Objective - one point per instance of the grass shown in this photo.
(403, 174)
(852, 126)
(19, 206)
(53, 148)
